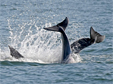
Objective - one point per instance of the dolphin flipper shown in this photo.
(80, 44)
(14, 53)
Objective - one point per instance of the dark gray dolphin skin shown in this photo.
(66, 50)
(80, 44)
(77, 46)
(14, 53)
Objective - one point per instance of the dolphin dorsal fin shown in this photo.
(14, 53)
(96, 36)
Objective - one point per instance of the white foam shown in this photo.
(34, 43)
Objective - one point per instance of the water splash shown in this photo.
(34, 43)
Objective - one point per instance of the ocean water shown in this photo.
(21, 26)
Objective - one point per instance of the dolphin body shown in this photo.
(68, 49)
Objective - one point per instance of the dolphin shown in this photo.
(78, 45)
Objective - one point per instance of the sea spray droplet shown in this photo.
(34, 43)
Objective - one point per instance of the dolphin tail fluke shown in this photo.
(14, 53)
(96, 36)
(80, 44)
(63, 24)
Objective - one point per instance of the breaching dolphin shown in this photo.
(77, 46)
(68, 49)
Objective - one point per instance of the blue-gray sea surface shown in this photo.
(21, 26)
